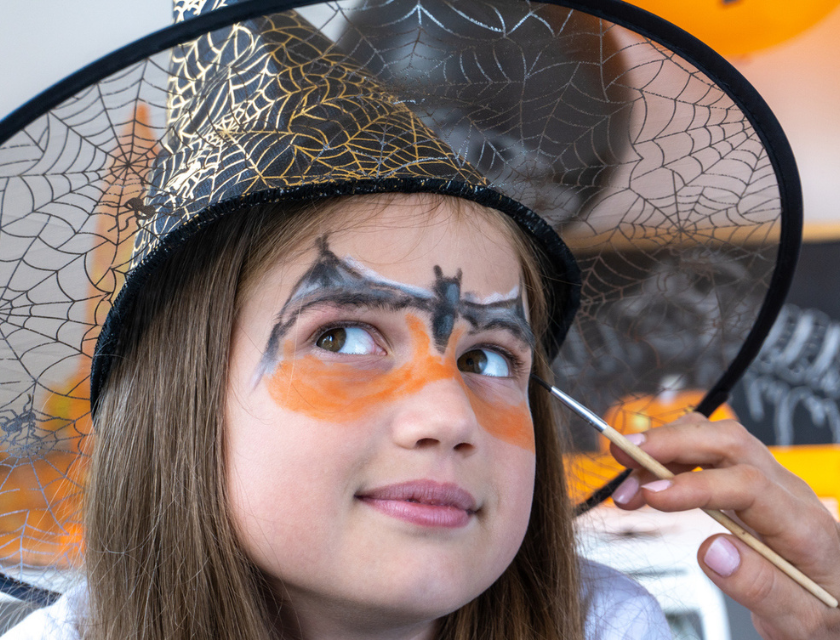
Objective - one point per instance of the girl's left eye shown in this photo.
(484, 362)
(347, 340)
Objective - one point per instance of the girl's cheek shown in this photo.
(511, 423)
(342, 394)
(328, 390)
(501, 408)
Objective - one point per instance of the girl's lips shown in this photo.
(423, 502)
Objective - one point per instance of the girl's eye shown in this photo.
(347, 340)
(484, 362)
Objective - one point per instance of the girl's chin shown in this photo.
(379, 607)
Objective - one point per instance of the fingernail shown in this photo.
(657, 485)
(636, 438)
(722, 557)
(626, 490)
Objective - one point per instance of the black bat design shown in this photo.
(343, 282)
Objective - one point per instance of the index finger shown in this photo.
(695, 441)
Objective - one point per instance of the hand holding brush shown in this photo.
(653, 466)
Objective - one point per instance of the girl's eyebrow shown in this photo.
(515, 325)
(341, 297)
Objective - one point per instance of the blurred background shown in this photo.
(790, 397)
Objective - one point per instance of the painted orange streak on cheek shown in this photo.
(337, 392)
(507, 422)
(329, 390)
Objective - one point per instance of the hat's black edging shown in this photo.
(601, 494)
(27, 592)
(557, 262)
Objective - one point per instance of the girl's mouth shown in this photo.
(423, 502)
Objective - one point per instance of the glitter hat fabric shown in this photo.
(662, 170)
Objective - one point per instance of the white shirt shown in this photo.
(615, 607)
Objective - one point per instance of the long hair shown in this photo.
(162, 555)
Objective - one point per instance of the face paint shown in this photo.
(357, 400)
(342, 392)
(445, 311)
(343, 282)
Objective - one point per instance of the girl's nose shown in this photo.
(438, 415)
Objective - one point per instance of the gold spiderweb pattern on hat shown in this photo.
(281, 108)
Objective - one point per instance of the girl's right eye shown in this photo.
(348, 340)
(484, 362)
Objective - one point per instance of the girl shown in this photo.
(313, 409)
(368, 453)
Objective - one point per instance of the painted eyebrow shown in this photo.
(352, 298)
(508, 315)
(384, 299)
(337, 282)
(480, 317)
(520, 330)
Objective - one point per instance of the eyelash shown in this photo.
(517, 364)
(348, 324)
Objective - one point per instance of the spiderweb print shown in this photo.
(72, 190)
(651, 173)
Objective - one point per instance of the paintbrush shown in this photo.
(657, 469)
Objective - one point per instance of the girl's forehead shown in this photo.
(409, 240)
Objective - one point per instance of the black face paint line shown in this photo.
(445, 308)
(333, 281)
(345, 283)
(508, 315)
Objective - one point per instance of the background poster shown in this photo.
(790, 393)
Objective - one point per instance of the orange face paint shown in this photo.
(339, 392)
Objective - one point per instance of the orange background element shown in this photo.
(818, 465)
(586, 472)
(738, 27)
(635, 414)
(339, 392)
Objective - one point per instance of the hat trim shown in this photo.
(557, 262)
(27, 592)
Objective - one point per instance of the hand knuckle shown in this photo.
(762, 585)
(820, 532)
(739, 440)
(753, 478)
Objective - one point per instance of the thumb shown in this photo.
(782, 609)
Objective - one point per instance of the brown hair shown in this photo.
(162, 556)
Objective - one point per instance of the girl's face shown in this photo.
(379, 443)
